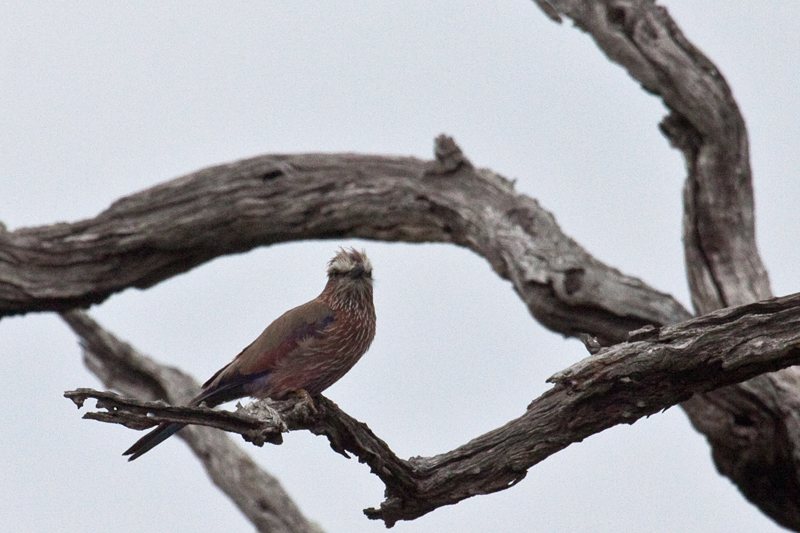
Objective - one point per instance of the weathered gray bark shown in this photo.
(752, 427)
(147, 237)
(562, 284)
(258, 494)
(657, 369)
(150, 236)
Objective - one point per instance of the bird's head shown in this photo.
(350, 271)
(352, 264)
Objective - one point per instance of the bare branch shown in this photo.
(168, 229)
(658, 368)
(152, 235)
(137, 414)
(752, 427)
(705, 124)
(257, 493)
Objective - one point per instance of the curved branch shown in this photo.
(171, 228)
(752, 427)
(157, 233)
(722, 259)
(657, 369)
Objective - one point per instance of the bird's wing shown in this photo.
(275, 343)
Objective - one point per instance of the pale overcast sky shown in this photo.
(102, 99)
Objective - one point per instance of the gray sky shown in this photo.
(103, 99)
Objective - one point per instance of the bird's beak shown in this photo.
(358, 271)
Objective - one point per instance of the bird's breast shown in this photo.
(319, 361)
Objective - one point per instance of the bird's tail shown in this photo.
(158, 435)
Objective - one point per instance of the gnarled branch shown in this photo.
(752, 428)
(148, 237)
(658, 368)
(258, 494)
(152, 235)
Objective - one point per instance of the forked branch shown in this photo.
(656, 369)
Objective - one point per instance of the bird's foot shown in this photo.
(305, 403)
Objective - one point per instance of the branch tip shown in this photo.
(448, 157)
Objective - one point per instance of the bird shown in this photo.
(304, 351)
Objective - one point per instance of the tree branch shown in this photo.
(257, 493)
(147, 237)
(658, 368)
(752, 427)
(171, 228)
(138, 414)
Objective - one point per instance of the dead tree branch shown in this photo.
(138, 414)
(171, 228)
(658, 368)
(753, 427)
(565, 288)
(119, 366)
